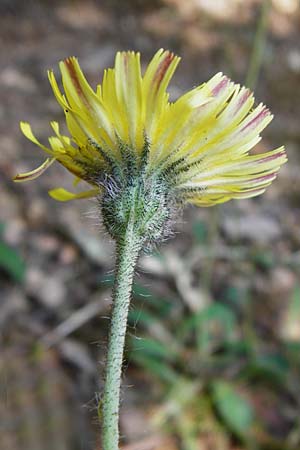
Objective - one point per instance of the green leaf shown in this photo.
(215, 323)
(140, 317)
(234, 409)
(291, 320)
(293, 349)
(153, 356)
(272, 367)
(161, 304)
(264, 260)
(200, 232)
(11, 262)
(237, 297)
(152, 348)
(156, 367)
(2, 228)
(107, 280)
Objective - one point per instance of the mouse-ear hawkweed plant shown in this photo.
(143, 157)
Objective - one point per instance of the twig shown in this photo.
(259, 45)
(75, 321)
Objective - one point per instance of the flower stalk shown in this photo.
(127, 252)
(135, 212)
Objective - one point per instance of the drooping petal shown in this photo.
(225, 130)
(27, 131)
(243, 178)
(63, 195)
(33, 174)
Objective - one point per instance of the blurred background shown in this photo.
(213, 345)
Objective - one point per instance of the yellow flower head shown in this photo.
(198, 146)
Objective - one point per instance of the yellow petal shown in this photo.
(246, 177)
(56, 91)
(84, 114)
(155, 82)
(76, 181)
(66, 141)
(177, 123)
(33, 174)
(113, 106)
(63, 195)
(27, 131)
(81, 96)
(128, 81)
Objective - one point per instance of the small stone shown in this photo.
(82, 15)
(15, 232)
(47, 243)
(293, 60)
(48, 289)
(286, 6)
(13, 78)
(68, 254)
(253, 227)
(37, 212)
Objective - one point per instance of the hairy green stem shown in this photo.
(127, 252)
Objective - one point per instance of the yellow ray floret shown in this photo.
(63, 195)
(199, 145)
(33, 174)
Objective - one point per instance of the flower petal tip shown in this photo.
(62, 195)
(33, 174)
